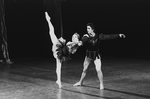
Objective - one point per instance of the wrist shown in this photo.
(119, 35)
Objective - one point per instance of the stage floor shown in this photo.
(35, 78)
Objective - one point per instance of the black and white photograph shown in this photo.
(74, 49)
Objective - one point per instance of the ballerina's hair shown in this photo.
(77, 35)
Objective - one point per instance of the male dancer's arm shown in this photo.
(83, 40)
(112, 36)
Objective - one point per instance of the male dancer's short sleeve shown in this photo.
(85, 38)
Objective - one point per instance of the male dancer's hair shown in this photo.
(91, 25)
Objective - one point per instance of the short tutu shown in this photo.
(60, 51)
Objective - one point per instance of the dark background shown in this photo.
(28, 31)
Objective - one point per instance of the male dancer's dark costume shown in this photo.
(92, 44)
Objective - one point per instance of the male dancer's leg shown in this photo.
(86, 64)
(97, 63)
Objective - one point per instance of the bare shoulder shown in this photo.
(69, 42)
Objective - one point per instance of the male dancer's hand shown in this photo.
(122, 35)
(80, 43)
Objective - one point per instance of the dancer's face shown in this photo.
(90, 31)
(75, 38)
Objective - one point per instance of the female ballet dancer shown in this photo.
(61, 49)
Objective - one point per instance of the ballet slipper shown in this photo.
(9, 62)
(77, 84)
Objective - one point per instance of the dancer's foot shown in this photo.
(1, 61)
(59, 84)
(78, 84)
(101, 86)
(47, 16)
(9, 62)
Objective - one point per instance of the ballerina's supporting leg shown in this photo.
(58, 72)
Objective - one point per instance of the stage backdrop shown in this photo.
(28, 31)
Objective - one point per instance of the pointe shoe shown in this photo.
(59, 84)
(101, 87)
(77, 84)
